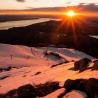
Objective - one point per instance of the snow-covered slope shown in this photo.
(32, 66)
(72, 94)
(22, 55)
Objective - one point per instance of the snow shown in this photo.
(75, 94)
(27, 61)
(72, 94)
(55, 94)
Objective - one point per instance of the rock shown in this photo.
(82, 64)
(37, 73)
(2, 96)
(71, 84)
(47, 88)
(8, 68)
(12, 94)
(95, 66)
(90, 87)
(26, 91)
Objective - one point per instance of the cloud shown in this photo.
(89, 7)
(85, 7)
(20, 0)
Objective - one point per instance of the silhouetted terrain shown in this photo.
(56, 33)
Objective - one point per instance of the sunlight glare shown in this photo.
(71, 13)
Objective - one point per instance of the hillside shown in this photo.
(45, 34)
(30, 65)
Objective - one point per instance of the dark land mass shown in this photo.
(5, 18)
(57, 33)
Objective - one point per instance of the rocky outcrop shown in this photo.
(95, 66)
(89, 86)
(82, 64)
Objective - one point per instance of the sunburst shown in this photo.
(71, 13)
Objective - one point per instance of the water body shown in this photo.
(94, 36)
(20, 23)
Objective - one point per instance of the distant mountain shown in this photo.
(52, 33)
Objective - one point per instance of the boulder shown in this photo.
(90, 87)
(82, 64)
(12, 94)
(26, 91)
(95, 66)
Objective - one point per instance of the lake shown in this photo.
(20, 23)
(94, 36)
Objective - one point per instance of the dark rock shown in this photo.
(48, 87)
(2, 96)
(82, 64)
(29, 91)
(12, 94)
(76, 66)
(59, 64)
(71, 83)
(90, 87)
(26, 91)
(37, 73)
(95, 66)
(52, 55)
(5, 68)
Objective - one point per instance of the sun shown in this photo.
(71, 13)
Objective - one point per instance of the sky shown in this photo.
(25, 4)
